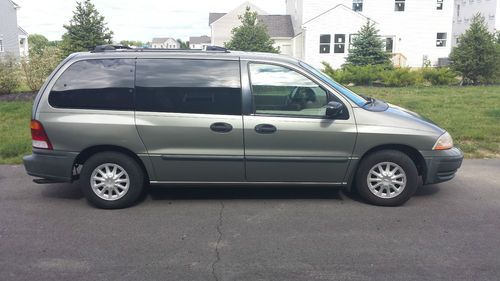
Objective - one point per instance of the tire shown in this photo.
(114, 191)
(386, 178)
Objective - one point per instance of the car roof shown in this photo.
(186, 54)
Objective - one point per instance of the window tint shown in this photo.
(281, 91)
(96, 84)
(188, 86)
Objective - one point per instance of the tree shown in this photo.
(9, 74)
(85, 30)
(39, 66)
(183, 44)
(367, 47)
(37, 43)
(476, 56)
(251, 35)
(132, 43)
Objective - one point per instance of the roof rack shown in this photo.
(111, 48)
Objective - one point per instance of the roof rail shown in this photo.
(102, 48)
(110, 48)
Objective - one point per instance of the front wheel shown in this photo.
(387, 178)
(112, 180)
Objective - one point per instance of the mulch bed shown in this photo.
(18, 97)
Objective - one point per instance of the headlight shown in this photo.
(444, 142)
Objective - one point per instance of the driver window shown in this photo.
(279, 90)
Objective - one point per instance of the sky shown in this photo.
(132, 19)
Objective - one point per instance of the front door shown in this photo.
(287, 136)
(188, 114)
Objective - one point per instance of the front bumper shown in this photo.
(442, 165)
(52, 165)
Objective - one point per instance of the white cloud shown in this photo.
(134, 20)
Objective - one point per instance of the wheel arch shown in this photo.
(85, 154)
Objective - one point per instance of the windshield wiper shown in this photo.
(369, 100)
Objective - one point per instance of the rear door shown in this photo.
(188, 114)
(287, 135)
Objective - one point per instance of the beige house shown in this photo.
(165, 43)
(279, 27)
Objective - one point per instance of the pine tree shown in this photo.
(85, 30)
(476, 56)
(251, 35)
(367, 47)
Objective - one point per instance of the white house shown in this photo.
(279, 27)
(416, 32)
(13, 39)
(466, 9)
(165, 43)
(199, 42)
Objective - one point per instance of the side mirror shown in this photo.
(334, 109)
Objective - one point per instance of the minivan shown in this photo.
(118, 120)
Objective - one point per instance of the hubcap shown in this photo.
(110, 181)
(386, 180)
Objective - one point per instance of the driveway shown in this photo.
(449, 231)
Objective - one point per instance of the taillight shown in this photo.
(39, 138)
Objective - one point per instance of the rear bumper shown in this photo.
(442, 165)
(52, 165)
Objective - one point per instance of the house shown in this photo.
(165, 43)
(416, 32)
(199, 42)
(466, 9)
(279, 27)
(13, 39)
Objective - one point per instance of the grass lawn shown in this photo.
(470, 114)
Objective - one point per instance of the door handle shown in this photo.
(221, 127)
(265, 129)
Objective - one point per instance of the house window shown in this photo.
(357, 5)
(439, 5)
(324, 43)
(441, 39)
(399, 6)
(1, 45)
(458, 10)
(339, 45)
(351, 39)
(389, 44)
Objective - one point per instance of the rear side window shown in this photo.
(106, 84)
(188, 86)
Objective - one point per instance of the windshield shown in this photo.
(360, 101)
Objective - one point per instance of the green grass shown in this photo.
(470, 114)
(15, 138)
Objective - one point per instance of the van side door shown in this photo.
(188, 114)
(288, 137)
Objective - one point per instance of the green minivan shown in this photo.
(116, 120)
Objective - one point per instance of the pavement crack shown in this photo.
(219, 239)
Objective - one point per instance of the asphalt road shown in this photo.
(449, 231)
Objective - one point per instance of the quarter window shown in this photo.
(339, 46)
(324, 43)
(399, 6)
(188, 86)
(106, 84)
(441, 39)
(279, 90)
(357, 5)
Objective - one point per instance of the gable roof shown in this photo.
(200, 39)
(161, 39)
(14, 4)
(278, 25)
(339, 6)
(214, 16)
(21, 31)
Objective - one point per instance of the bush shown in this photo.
(39, 66)
(9, 75)
(400, 77)
(440, 76)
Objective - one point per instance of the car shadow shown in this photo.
(243, 192)
(427, 190)
(62, 191)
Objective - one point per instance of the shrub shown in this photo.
(39, 66)
(400, 77)
(9, 75)
(440, 76)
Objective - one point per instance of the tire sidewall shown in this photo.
(134, 171)
(397, 157)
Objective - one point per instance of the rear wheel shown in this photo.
(111, 180)
(387, 178)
